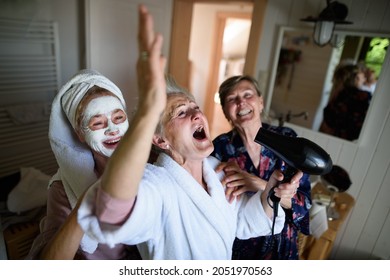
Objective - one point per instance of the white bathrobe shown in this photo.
(175, 218)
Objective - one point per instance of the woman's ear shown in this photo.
(261, 101)
(225, 113)
(160, 142)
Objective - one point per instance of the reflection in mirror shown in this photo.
(301, 81)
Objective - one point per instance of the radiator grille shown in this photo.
(25, 145)
(29, 80)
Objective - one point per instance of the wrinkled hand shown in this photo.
(150, 64)
(285, 191)
(238, 181)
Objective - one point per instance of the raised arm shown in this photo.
(126, 166)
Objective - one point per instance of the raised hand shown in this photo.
(133, 150)
(151, 64)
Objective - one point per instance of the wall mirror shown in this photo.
(301, 77)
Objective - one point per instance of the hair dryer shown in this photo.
(297, 153)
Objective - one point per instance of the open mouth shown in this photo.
(199, 134)
(111, 142)
(244, 112)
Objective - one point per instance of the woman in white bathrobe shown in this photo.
(177, 207)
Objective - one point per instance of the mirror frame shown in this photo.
(274, 66)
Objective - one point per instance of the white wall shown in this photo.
(69, 16)
(112, 28)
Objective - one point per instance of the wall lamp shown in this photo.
(334, 13)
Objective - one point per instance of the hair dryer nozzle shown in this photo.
(297, 152)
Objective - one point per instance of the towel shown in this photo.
(30, 192)
(74, 90)
(75, 161)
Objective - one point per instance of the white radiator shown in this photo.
(29, 80)
(24, 139)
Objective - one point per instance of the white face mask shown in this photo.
(104, 123)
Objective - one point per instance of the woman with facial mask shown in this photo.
(88, 120)
(176, 207)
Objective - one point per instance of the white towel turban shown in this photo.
(75, 89)
(75, 161)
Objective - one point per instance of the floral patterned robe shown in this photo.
(229, 147)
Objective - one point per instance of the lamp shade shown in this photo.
(334, 13)
(323, 31)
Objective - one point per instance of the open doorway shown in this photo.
(217, 54)
(231, 57)
(198, 57)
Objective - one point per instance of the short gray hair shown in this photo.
(172, 88)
